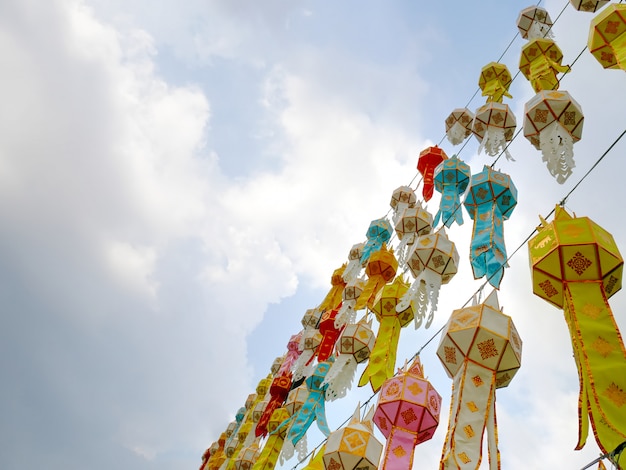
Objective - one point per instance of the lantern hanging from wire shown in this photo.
(333, 298)
(407, 413)
(459, 125)
(534, 22)
(427, 161)
(577, 267)
(278, 391)
(381, 268)
(354, 446)
(481, 351)
(434, 261)
(540, 63)
(607, 37)
(218, 457)
(382, 361)
(378, 233)
(312, 410)
(293, 352)
(248, 456)
(351, 294)
(317, 459)
(330, 334)
(451, 179)
(402, 198)
(353, 347)
(310, 341)
(490, 200)
(414, 223)
(270, 453)
(553, 122)
(588, 5)
(494, 122)
(354, 266)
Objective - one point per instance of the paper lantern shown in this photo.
(540, 63)
(459, 125)
(382, 361)
(333, 298)
(414, 223)
(293, 352)
(451, 179)
(490, 200)
(577, 266)
(296, 398)
(317, 459)
(481, 350)
(311, 318)
(276, 364)
(247, 457)
(330, 334)
(588, 5)
(553, 122)
(353, 347)
(378, 233)
(407, 413)
(354, 266)
(607, 37)
(427, 161)
(218, 457)
(351, 294)
(310, 341)
(494, 81)
(270, 453)
(381, 268)
(402, 198)
(279, 389)
(493, 126)
(534, 22)
(312, 410)
(434, 261)
(353, 447)
(207, 454)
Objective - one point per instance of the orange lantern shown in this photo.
(427, 161)
(381, 268)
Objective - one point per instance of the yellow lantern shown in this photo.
(577, 266)
(588, 5)
(381, 268)
(495, 80)
(270, 453)
(607, 37)
(540, 63)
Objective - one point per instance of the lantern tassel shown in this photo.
(403, 248)
(457, 133)
(494, 142)
(352, 271)
(346, 313)
(340, 377)
(383, 356)
(424, 295)
(598, 347)
(400, 449)
(557, 146)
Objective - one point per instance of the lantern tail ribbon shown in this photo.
(403, 248)
(400, 449)
(494, 142)
(383, 356)
(340, 377)
(598, 347)
(557, 149)
(271, 452)
(471, 412)
(346, 314)
(488, 251)
(449, 207)
(371, 288)
(424, 294)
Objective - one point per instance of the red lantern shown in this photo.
(426, 164)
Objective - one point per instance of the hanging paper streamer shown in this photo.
(459, 125)
(607, 37)
(414, 222)
(588, 5)
(490, 200)
(333, 298)
(279, 389)
(451, 179)
(407, 413)
(577, 266)
(553, 122)
(382, 361)
(379, 233)
(381, 268)
(330, 334)
(434, 261)
(353, 447)
(494, 122)
(540, 63)
(354, 347)
(207, 454)
(481, 351)
(534, 22)
(271, 450)
(354, 266)
(312, 410)
(402, 199)
(427, 161)
(351, 294)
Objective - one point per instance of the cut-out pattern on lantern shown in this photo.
(451, 179)
(480, 350)
(353, 447)
(553, 122)
(490, 200)
(607, 37)
(427, 161)
(459, 125)
(382, 361)
(577, 266)
(407, 413)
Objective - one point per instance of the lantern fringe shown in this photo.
(457, 133)
(424, 295)
(398, 211)
(402, 249)
(340, 377)
(352, 271)
(557, 145)
(346, 314)
(539, 30)
(304, 365)
(494, 142)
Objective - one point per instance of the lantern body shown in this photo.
(407, 413)
(494, 125)
(378, 233)
(428, 160)
(588, 5)
(354, 266)
(247, 457)
(353, 447)
(607, 37)
(540, 63)
(333, 298)
(451, 179)
(494, 81)
(459, 125)
(414, 222)
(402, 198)
(534, 22)
(381, 268)
(295, 399)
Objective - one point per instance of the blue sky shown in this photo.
(179, 181)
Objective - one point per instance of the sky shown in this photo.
(179, 180)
